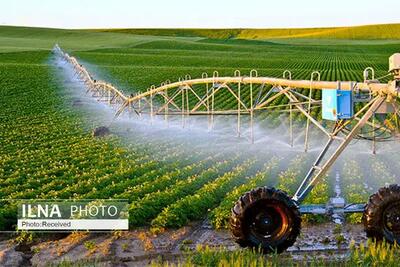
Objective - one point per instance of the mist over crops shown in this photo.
(271, 149)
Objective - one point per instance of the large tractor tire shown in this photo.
(265, 218)
(381, 216)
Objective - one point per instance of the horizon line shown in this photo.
(199, 28)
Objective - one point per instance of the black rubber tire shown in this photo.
(381, 216)
(269, 202)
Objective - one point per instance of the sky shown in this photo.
(74, 14)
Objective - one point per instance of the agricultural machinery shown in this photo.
(267, 217)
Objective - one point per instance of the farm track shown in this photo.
(140, 247)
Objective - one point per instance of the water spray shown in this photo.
(266, 216)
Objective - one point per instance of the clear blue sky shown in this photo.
(197, 14)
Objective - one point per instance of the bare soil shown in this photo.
(139, 247)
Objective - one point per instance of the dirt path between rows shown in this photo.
(139, 247)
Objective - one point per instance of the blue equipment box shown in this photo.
(337, 104)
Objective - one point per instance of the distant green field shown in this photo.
(23, 38)
(367, 32)
(46, 150)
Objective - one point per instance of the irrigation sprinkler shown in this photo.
(266, 216)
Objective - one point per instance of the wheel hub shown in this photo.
(265, 223)
(392, 218)
(269, 221)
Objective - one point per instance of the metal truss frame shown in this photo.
(190, 97)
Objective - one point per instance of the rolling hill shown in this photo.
(367, 32)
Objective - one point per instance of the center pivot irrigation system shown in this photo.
(267, 217)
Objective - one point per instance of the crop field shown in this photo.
(171, 177)
(132, 68)
(385, 32)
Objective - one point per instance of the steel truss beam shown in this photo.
(203, 94)
(319, 169)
